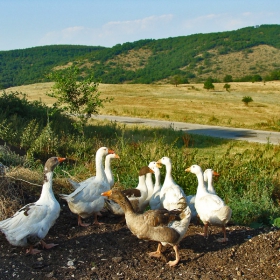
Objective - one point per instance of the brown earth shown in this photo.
(110, 251)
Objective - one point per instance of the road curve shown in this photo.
(249, 135)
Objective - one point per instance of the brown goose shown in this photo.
(161, 225)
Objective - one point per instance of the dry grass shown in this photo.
(10, 198)
(13, 185)
(262, 60)
(186, 103)
(20, 186)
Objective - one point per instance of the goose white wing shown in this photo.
(32, 219)
(171, 196)
(213, 202)
(85, 191)
(155, 202)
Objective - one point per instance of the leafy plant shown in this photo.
(247, 99)
(209, 84)
(80, 99)
(227, 87)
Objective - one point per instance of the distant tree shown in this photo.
(227, 87)
(247, 99)
(256, 78)
(209, 84)
(176, 80)
(228, 79)
(77, 98)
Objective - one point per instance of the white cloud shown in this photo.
(68, 35)
(215, 22)
(111, 33)
(134, 26)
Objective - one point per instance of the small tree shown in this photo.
(176, 80)
(228, 79)
(227, 87)
(247, 99)
(209, 84)
(78, 98)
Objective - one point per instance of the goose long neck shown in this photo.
(142, 183)
(149, 183)
(201, 189)
(157, 181)
(47, 191)
(108, 170)
(210, 180)
(100, 173)
(125, 205)
(107, 164)
(168, 175)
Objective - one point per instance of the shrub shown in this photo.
(247, 99)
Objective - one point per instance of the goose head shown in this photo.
(103, 151)
(195, 169)
(208, 173)
(52, 162)
(145, 170)
(164, 160)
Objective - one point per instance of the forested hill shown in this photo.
(244, 54)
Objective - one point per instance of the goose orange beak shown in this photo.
(188, 169)
(61, 159)
(108, 193)
(117, 156)
(111, 151)
(158, 165)
(159, 162)
(215, 173)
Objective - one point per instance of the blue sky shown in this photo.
(30, 23)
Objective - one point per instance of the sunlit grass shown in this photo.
(186, 103)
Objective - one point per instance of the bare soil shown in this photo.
(110, 251)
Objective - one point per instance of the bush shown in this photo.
(247, 99)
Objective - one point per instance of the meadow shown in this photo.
(186, 102)
(249, 178)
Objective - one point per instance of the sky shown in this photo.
(31, 23)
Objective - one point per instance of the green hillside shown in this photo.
(244, 54)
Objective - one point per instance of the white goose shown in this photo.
(191, 204)
(208, 179)
(136, 196)
(171, 192)
(210, 207)
(108, 172)
(29, 225)
(155, 202)
(150, 184)
(86, 199)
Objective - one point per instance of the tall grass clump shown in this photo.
(247, 183)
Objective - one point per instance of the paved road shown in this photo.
(250, 135)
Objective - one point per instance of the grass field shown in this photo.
(187, 103)
(249, 172)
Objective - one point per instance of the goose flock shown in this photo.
(166, 222)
